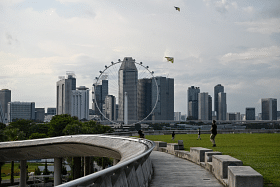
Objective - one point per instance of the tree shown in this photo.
(103, 161)
(37, 135)
(23, 125)
(58, 123)
(37, 171)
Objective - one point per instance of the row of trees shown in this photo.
(60, 125)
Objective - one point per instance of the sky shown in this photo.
(235, 43)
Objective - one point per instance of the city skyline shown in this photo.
(233, 43)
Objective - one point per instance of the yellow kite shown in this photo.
(170, 59)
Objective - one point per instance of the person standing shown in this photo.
(173, 135)
(213, 133)
(198, 134)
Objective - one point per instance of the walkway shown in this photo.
(170, 170)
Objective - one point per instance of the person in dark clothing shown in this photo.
(141, 134)
(198, 134)
(173, 135)
(213, 133)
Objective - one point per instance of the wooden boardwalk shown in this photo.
(170, 170)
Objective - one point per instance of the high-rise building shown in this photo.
(39, 114)
(250, 113)
(64, 89)
(5, 98)
(177, 116)
(209, 107)
(217, 89)
(110, 107)
(101, 91)
(128, 80)
(51, 111)
(144, 98)
(233, 116)
(269, 109)
(80, 103)
(222, 106)
(21, 110)
(193, 102)
(203, 108)
(164, 109)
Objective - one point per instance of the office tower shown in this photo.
(5, 98)
(203, 107)
(144, 98)
(110, 107)
(39, 114)
(177, 116)
(233, 116)
(51, 111)
(21, 110)
(193, 102)
(250, 113)
(128, 79)
(164, 109)
(278, 115)
(209, 107)
(64, 89)
(269, 109)
(101, 91)
(80, 103)
(222, 106)
(217, 89)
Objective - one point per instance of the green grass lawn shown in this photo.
(260, 151)
(6, 168)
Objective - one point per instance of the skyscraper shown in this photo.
(80, 103)
(5, 98)
(39, 114)
(164, 109)
(128, 79)
(209, 107)
(217, 89)
(101, 91)
(250, 113)
(222, 106)
(193, 102)
(64, 89)
(21, 110)
(269, 109)
(144, 98)
(203, 113)
(110, 107)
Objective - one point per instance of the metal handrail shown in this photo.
(89, 179)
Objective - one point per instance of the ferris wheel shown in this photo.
(109, 92)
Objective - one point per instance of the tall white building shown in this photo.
(203, 108)
(64, 89)
(80, 103)
(21, 110)
(222, 106)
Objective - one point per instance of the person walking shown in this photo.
(198, 134)
(213, 133)
(173, 135)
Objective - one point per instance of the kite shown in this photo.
(177, 8)
(170, 59)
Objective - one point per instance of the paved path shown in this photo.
(170, 170)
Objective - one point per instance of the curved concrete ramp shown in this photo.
(170, 170)
(120, 148)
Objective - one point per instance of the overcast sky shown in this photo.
(235, 43)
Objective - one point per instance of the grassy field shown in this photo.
(6, 168)
(260, 151)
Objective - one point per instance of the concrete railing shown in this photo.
(133, 169)
(228, 170)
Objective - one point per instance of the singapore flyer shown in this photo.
(125, 92)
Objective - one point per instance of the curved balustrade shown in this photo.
(133, 169)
